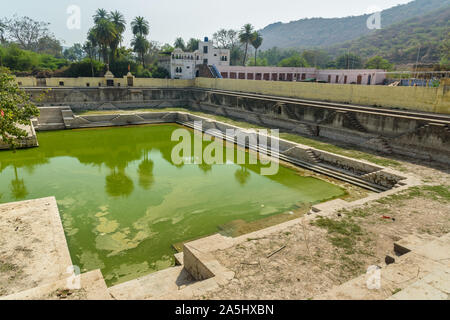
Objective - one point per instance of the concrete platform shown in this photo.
(33, 247)
(92, 287)
(421, 273)
(28, 142)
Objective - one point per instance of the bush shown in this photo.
(84, 68)
(17, 60)
(120, 67)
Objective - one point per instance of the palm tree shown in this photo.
(179, 43)
(140, 26)
(256, 43)
(105, 34)
(99, 15)
(246, 37)
(119, 23)
(140, 45)
(89, 48)
(192, 45)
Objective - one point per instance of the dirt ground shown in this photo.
(326, 252)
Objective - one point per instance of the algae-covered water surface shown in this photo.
(124, 203)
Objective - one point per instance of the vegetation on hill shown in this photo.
(321, 32)
(424, 39)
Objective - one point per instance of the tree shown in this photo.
(90, 50)
(179, 43)
(192, 45)
(378, 62)
(226, 39)
(26, 32)
(105, 33)
(295, 61)
(257, 41)
(74, 53)
(16, 109)
(316, 58)
(99, 15)
(349, 61)
(445, 53)
(246, 36)
(140, 45)
(140, 26)
(2, 32)
(49, 45)
(167, 48)
(119, 23)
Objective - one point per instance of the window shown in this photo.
(88, 84)
(205, 49)
(205, 61)
(61, 83)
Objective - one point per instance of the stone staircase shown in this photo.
(420, 270)
(355, 123)
(314, 158)
(51, 118)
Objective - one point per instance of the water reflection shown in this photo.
(18, 189)
(118, 184)
(145, 171)
(242, 175)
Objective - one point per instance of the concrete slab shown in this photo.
(152, 286)
(28, 142)
(92, 287)
(32, 244)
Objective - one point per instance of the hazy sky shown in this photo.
(195, 18)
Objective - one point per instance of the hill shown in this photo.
(400, 43)
(321, 32)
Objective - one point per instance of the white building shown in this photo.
(185, 65)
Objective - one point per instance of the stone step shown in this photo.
(435, 286)
(418, 272)
(92, 287)
(50, 126)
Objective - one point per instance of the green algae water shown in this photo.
(123, 202)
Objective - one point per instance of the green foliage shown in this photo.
(423, 37)
(74, 53)
(192, 45)
(16, 108)
(120, 66)
(16, 59)
(316, 58)
(378, 62)
(320, 32)
(259, 62)
(294, 61)
(179, 43)
(84, 68)
(349, 61)
(161, 73)
(275, 55)
(246, 36)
